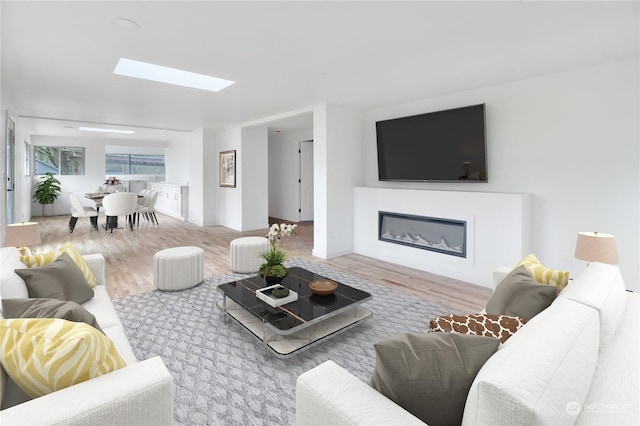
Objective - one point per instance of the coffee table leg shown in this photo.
(264, 339)
(224, 308)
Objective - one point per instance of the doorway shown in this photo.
(11, 141)
(305, 181)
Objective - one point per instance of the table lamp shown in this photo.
(22, 235)
(597, 247)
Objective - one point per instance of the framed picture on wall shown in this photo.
(228, 168)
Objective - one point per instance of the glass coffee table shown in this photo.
(288, 329)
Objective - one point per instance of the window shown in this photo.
(134, 164)
(59, 160)
(47, 159)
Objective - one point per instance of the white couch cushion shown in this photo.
(601, 287)
(102, 308)
(330, 395)
(11, 285)
(545, 367)
(614, 397)
(119, 338)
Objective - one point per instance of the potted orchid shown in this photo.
(111, 184)
(273, 270)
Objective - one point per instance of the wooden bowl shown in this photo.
(323, 287)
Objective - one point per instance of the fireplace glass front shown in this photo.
(428, 233)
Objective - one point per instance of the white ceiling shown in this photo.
(58, 57)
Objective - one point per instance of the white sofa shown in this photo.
(139, 394)
(576, 362)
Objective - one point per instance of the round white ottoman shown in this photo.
(245, 254)
(178, 268)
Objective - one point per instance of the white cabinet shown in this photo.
(137, 185)
(172, 199)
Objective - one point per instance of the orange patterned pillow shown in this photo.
(498, 326)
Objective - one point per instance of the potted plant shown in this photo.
(46, 192)
(273, 270)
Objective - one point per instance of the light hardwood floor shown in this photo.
(129, 258)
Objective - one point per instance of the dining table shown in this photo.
(97, 198)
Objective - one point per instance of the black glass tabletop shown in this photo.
(307, 308)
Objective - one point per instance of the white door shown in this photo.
(10, 168)
(306, 180)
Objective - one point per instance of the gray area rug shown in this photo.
(221, 371)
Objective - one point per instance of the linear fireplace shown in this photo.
(428, 233)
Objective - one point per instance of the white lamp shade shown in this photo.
(22, 234)
(596, 247)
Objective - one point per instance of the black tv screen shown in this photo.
(438, 146)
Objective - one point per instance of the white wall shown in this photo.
(284, 171)
(255, 182)
(338, 168)
(181, 168)
(229, 208)
(571, 140)
(22, 191)
(209, 183)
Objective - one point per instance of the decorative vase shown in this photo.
(272, 279)
(47, 210)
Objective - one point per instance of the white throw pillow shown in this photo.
(541, 372)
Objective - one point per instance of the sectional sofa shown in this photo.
(576, 362)
(141, 393)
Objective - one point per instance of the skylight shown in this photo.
(146, 71)
(102, 130)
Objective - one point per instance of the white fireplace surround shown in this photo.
(497, 229)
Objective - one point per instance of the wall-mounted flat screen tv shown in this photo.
(446, 146)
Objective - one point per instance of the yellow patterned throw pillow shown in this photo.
(79, 260)
(45, 258)
(39, 259)
(47, 354)
(542, 274)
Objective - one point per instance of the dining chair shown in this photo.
(142, 195)
(78, 210)
(119, 204)
(148, 208)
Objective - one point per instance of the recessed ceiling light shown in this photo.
(146, 71)
(320, 75)
(126, 24)
(101, 130)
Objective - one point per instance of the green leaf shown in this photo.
(47, 190)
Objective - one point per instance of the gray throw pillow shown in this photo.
(430, 374)
(60, 279)
(520, 295)
(48, 308)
